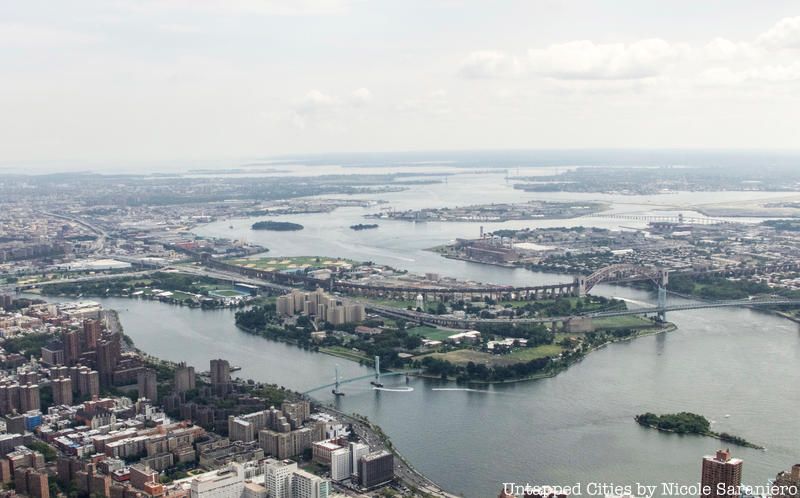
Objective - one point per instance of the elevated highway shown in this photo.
(466, 323)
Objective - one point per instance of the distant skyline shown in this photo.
(130, 81)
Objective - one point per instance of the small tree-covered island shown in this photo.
(277, 226)
(363, 226)
(689, 423)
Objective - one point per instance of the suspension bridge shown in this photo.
(660, 310)
(376, 377)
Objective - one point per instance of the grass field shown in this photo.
(226, 293)
(343, 352)
(622, 322)
(431, 333)
(463, 356)
(292, 263)
(397, 303)
(519, 304)
(528, 354)
(573, 300)
(181, 296)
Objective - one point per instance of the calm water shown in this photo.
(575, 427)
(402, 244)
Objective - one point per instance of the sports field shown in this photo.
(226, 293)
(292, 263)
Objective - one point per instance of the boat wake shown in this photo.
(394, 389)
(464, 389)
(634, 301)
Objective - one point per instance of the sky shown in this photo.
(157, 80)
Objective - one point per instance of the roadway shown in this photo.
(431, 319)
(371, 435)
(98, 244)
(428, 318)
(108, 276)
(362, 377)
(467, 323)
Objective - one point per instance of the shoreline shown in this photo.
(644, 332)
(561, 368)
(431, 487)
(142, 298)
(413, 478)
(711, 434)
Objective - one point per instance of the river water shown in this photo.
(738, 367)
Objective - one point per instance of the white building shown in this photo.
(225, 483)
(357, 450)
(307, 485)
(341, 466)
(253, 490)
(278, 477)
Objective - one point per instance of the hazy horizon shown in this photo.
(464, 159)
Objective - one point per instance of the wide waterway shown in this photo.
(577, 426)
(738, 367)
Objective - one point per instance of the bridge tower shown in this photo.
(377, 381)
(579, 285)
(336, 391)
(663, 280)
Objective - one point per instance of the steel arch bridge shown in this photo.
(624, 271)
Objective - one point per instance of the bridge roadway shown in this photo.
(467, 323)
(579, 286)
(362, 377)
(656, 218)
(453, 322)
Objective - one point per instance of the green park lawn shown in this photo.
(622, 322)
(431, 333)
(520, 355)
(291, 262)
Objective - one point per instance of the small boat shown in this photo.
(336, 393)
(376, 384)
(727, 415)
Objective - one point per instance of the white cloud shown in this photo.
(236, 7)
(179, 28)
(435, 103)
(26, 35)
(722, 49)
(361, 97)
(785, 34)
(490, 64)
(720, 76)
(319, 107)
(724, 76)
(584, 59)
(316, 101)
(651, 65)
(777, 73)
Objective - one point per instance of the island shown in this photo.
(277, 226)
(498, 212)
(363, 226)
(689, 423)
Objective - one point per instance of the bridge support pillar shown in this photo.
(662, 303)
(579, 286)
(579, 324)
